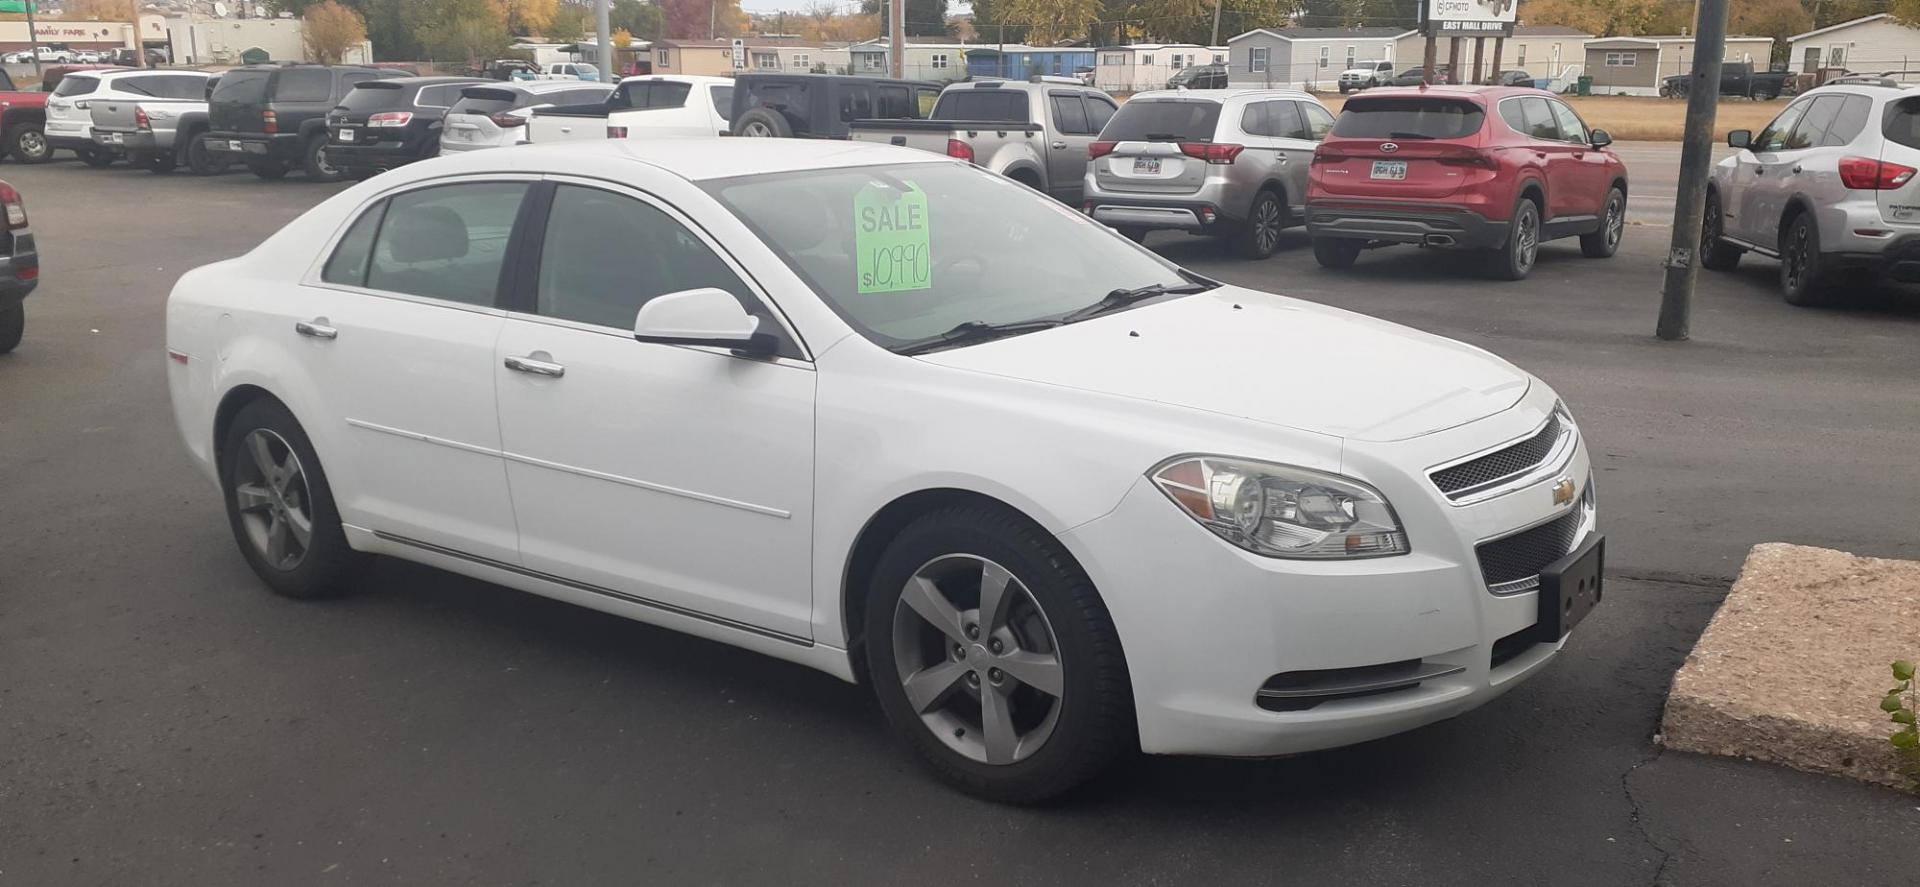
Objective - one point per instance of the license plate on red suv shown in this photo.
(1391, 170)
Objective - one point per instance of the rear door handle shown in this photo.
(316, 328)
(539, 363)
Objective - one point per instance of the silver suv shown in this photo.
(1228, 162)
(1828, 188)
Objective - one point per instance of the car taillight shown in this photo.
(16, 207)
(1100, 149)
(1322, 155)
(507, 121)
(391, 118)
(140, 118)
(1476, 159)
(269, 122)
(1868, 174)
(616, 132)
(959, 150)
(1212, 152)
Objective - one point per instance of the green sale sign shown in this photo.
(892, 240)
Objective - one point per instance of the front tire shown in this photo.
(13, 327)
(1515, 259)
(1337, 252)
(1259, 236)
(313, 160)
(27, 143)
(1716, 254)
(994, 658)
(1602, 244)
(280, 507)
(1803, 280)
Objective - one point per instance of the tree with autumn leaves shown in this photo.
(329, 30)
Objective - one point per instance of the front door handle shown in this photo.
(539, 363)
(1059, 146)
(316, 328)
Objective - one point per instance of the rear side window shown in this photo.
(1069, 115)
(644, 94)
(1284, 118)
(76, 84)
(982, 104)
(446, 242)
(1169, 120)
(349, 262)
(438, 96)
(1099, 111)
(722, 101)
(246, 87)
(304, 85)
(895, 102)
(856, 103)
(1410, 118)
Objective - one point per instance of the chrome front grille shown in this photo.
(1466, 478)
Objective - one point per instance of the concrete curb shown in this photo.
(1792, 668)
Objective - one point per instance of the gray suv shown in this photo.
(1227, 162)
(1829, 188)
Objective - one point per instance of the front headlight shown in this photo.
(1281, 510)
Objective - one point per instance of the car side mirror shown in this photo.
(1740, 138)
(704, 316)
(1599, 138)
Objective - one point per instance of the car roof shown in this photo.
(1485, 93)
(695, 160)
(693, 79)
(541, 87)
(428, 81)
(1221, 95)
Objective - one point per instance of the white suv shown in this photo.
(1829, 188)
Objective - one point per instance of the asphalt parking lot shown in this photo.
(164, 720)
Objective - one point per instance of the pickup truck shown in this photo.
(1035, 133)
(560, 71)
(158, 134)
(23, 122)
(657, 106)
(1365, 75)
(1736, 78)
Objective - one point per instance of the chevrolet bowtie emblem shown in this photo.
(1563, 491)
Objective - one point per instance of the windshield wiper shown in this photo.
(1121, 298)
(975, 331)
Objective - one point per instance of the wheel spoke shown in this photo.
(287, 471)
(930, 687)
(927, 600)
(994, 599)
(262, 454)
(1040, 671)
(252, 497)
(996, 721)
(277, 535)
(300, 526)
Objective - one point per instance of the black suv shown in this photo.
(382, 124)
(1199, 77)
(819, 106)
(272, 117)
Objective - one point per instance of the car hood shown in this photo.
(1267, 358)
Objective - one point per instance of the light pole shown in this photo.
(600, 15)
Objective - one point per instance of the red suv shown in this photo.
(1484, 168)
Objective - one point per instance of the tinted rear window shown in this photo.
(1173, 120)
(1409, 118)
(76, 84)
(489, 101)
(1902, 124)
(982, 104)
(243, 86)
(377, 96)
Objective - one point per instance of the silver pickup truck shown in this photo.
(158, 133)
(1035, 133)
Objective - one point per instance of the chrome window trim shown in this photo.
(1555, 461)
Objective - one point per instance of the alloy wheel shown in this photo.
(1616, 222)
(1794, 257)
(270, 492)
(758, 130)
(1266, 225)
(977, 659)
(1526, 239)
(320, 162)
(1710, 227)
(34, 144)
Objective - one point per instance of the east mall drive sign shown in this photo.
(1471, 18)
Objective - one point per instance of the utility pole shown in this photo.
(713, 20)
(897, 37)
(1216, 22)
(139, 48)
(601, 12)
(33, 36)
(1696, 155)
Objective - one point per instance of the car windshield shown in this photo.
(907, 252)
(1408, 118)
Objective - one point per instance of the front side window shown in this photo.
(605, 255)
(1571, 129)
(446, 242)
(1319, 120)
(1257, 59)
(906, 252)
(1774, 137)
(1283, 120)
(1813, 124)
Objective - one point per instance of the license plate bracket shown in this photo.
(1570, 588)
(345, 135)
(1149, 166)
(1390, 170)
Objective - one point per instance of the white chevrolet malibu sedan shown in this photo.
(885, 414)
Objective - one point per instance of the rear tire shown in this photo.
(202, 162)
(267, 168)
(1054, 739)
(13, 327)
(1336, 252)
(27, 143)
(1515, 259)
(1803, 280)
(273, 484)
(1716, 254)
(1259, 235)
(157, 162)
(313, 160)
(1602, 244)
(94, 157)
(763, 123)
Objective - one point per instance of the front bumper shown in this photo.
(1433, 227)
(1205, 625)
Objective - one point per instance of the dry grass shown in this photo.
(1650, 119)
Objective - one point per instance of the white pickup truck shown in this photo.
(1035, 133)
(655, 106)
